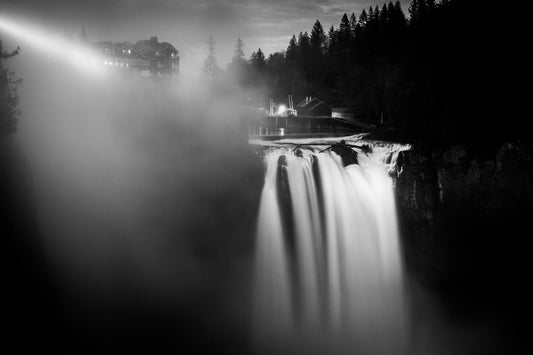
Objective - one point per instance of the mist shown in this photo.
(146, 195)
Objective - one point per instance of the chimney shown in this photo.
(153, 39)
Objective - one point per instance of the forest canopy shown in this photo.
(422, 70)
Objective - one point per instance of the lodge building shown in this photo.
(149, 58)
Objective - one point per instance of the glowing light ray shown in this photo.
(76, 54)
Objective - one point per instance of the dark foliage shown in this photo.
(426, 76)
(8, 94)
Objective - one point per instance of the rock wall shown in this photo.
(466, 224)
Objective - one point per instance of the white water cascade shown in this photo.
(329, 274)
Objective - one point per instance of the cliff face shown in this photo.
(454, 184)
(466, 224)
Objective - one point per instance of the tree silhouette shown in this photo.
(210, 65)
(415, 74)
(318, 40)
(257, 60)
(238, 53)
(292, 50)
(8, 93)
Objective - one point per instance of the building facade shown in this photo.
(149, 58)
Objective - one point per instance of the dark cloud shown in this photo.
(188, 23)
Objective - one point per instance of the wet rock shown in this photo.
(282, 161)
(450, 203)
(347, 154)
(454, 155)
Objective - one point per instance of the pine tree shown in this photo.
(353, 23)
(8, 94)
(400, 15)
(377, 15)
(210, 65)
(332, 40)
(363, 18)
(292, 49)
(304, 45)
(418, 9)
(257, 60)
(238, 64)
(384, 20)
(344, 27)
(345, 32)
(318, 39)
(414, 10)
(397, 19)
(238, 53)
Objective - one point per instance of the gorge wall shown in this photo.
(465, 226)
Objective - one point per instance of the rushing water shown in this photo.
(329, 274)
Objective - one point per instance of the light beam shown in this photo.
(74, 53)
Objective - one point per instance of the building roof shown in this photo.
(143, 48)
(342, 109)
(309, 105)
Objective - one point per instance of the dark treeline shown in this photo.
(8, 93)
(423, 72)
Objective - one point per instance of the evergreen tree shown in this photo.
(353, 23)
(332, 40)
(238, 53)
(238, 63)
(257, 60)
(397, 20)
(210, 65)
(275, 62)
(318, 39)
(399, 15)
(304, 46)
(8, 94)
(344, 28)
(384, 20)
(292, 50)
(414, 10)
(371, 16)
(345, 33)
(363, 18)
(377, 15)
(418, 9)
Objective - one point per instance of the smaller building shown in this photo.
(342, 112)
(346, 114)
(313, 107)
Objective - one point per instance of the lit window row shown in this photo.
(116, 64)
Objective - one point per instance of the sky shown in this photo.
(188, 23)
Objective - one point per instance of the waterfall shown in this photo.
(328, 265)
